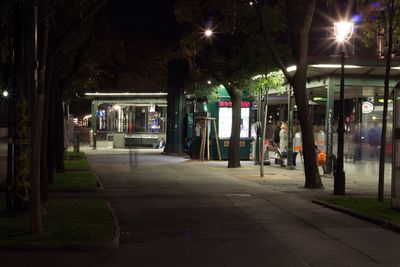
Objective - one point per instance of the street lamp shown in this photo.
(208, 33)
(343, 32)
(5, 93)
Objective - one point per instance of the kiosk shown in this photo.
(221, 110)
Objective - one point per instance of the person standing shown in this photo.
(283, 137)
(283, 142)
(297, 145)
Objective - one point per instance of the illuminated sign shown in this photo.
(382, 100)
(228, 104)
(367, 107)
(319, 99)
(225, 122)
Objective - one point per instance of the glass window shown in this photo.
(156, 119)
(140, 119)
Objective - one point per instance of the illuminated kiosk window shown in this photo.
(225, 122)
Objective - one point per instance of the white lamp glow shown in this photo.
(5, 93)
(343, 31)
(208, 32)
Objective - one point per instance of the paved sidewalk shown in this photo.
(177, 212)
(361, 177)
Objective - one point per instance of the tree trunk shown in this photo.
(59, 133)
(381, 181)
(51, 133)
(36, 216)
(264, 128)
(23, 81)
(234, 143)
(45, 76)
(313, 179)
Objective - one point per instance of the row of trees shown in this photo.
(262, 36)
(48, 44)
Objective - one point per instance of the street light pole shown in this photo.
(340, 177)
(343, 31)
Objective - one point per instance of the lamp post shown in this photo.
(343, 31)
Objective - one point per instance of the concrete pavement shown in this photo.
(177, 212)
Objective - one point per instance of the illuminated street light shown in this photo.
(209, 82)
(5, 93)
(208, 33)
(343, 32)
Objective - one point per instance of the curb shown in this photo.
(100, 187)
(381, 222)
(114, 243)
(107, 245)
(99, 184)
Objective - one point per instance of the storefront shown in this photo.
(128, 119)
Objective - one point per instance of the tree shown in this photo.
(261, 84)
(294, 18)
(382, 16)
(230, 57)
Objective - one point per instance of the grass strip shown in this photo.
(64, 221)
(368, 206)
(77, 164)
(74, 156)
(75, 180)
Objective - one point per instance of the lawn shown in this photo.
(76, 161)
(76, 180)
(367, 206)
(76, 164)
(64, 221)
(73, 156)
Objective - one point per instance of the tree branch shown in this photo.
(78, 58)
(270, 45)
(63, 37)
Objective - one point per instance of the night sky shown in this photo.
(135, 18)
(146, 28)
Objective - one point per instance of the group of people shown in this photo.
(281, 140)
